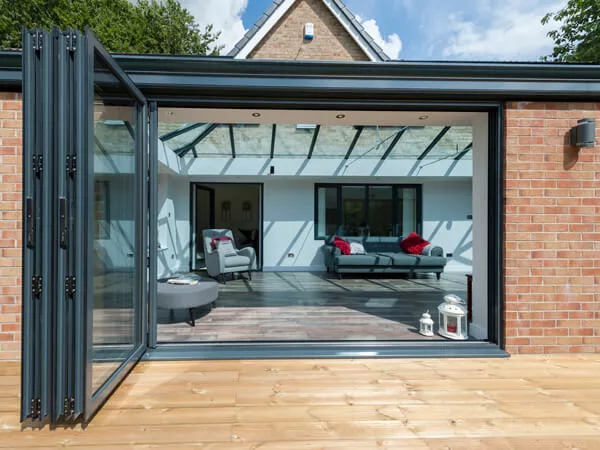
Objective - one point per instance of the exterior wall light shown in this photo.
(584, 133)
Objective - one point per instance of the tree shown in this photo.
(578, 38)
(147, 26)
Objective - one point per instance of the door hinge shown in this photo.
(71, 164)
(38, 40)
(36, 408)
(36, 285)
(38, 164)
(70, 286)
(69, 406)
(71, 39)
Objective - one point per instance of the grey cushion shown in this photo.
(404, 259)
(237, 261)
(363, 260)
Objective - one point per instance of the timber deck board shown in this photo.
(528, 402)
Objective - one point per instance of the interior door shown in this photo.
(114, 132)
(203, 217)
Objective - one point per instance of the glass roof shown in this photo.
(205, 140)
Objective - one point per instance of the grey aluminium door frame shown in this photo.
(36, 375)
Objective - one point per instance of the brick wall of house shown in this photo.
(286, 39)
(10, 225)
(552, 214)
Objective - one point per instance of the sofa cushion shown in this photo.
(356, 248)
(343, 245)
(413, 244)
(236, 261)
(406, 260)
(363, 260)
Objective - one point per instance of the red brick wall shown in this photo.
(10, 225)
(286, 38)
(552, 217)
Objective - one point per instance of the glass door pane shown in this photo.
(115, 228)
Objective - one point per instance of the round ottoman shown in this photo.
(180, 296)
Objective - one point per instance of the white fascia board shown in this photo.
(264, 29)
(347, 26)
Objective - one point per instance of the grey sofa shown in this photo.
(383, 255)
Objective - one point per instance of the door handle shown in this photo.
(30, 222)
(64, 228)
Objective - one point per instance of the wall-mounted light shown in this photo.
(584, 133)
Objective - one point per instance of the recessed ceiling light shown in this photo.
(340, 116)
(255, 114)
(424, 117)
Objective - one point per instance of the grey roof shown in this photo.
(357, 29)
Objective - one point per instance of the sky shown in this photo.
(474, 30)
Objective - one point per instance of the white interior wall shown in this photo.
(446, 206)
(479, 325)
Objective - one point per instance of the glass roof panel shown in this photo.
(186, 138)
(453, 142)
(334, 141)
(112, 136)
(293, 140)
(374, 141)
(414, 142)
(252, 140)
(217, 144)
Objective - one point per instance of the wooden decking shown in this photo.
(550, 402)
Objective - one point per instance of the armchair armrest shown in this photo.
(433, 250)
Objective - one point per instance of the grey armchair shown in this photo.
(219, 263)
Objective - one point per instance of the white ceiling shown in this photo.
(382, 118)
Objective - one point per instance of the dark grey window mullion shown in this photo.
(395, 212)
(142, 234)
(29, 217)
(153, 223)
(61, 245)
(82, 180)
(47, 225)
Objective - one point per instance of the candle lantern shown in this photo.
(453, 318)
(426, 324)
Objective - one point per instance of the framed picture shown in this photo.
(101, 210)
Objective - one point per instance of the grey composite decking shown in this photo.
(293, 306)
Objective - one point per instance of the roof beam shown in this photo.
(397, 138)
(313, 142)
(437, 139)
(354, 141)
(179, 132)
(464, 152)
(129, 129)
(232, 140)
(191, 146)
(273, 141)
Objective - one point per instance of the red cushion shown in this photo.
(413, 244)
(342, 245)
(213, 242)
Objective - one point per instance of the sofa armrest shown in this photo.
(331, 251)
(433, 250)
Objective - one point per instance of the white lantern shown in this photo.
(453, 318)
(426, 325)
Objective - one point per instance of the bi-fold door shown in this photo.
(85, 290)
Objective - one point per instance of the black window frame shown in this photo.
(395, 187)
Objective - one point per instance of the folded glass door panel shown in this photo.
(37, 225)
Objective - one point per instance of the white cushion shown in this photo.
(357, 249)
(226, 248)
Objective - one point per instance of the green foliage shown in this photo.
(148, 26)
(578, 38)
